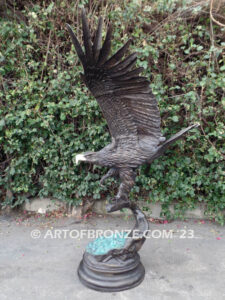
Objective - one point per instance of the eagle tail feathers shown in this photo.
(163, 147)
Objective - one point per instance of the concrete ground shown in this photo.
(188, 263)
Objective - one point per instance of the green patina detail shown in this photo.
(103, 244)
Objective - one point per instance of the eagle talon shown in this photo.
(117, 204)
(102, 180)
(101, 184)
(113, 172)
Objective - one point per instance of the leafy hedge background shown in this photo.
(47, 115)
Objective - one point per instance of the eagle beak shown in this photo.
(80, 157)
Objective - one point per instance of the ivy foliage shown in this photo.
(47, 115)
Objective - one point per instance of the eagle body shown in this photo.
(124, 153)
(128, 105)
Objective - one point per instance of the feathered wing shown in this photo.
(125, 97)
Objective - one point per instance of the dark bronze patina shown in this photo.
(133, 118)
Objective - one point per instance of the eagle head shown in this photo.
(89, 156)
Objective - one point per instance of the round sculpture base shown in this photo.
(111, 276)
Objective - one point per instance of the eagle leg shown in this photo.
(127, 177)
(113, 172)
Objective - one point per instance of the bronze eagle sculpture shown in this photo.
(129, 107)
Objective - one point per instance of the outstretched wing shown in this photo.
(125, 97)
